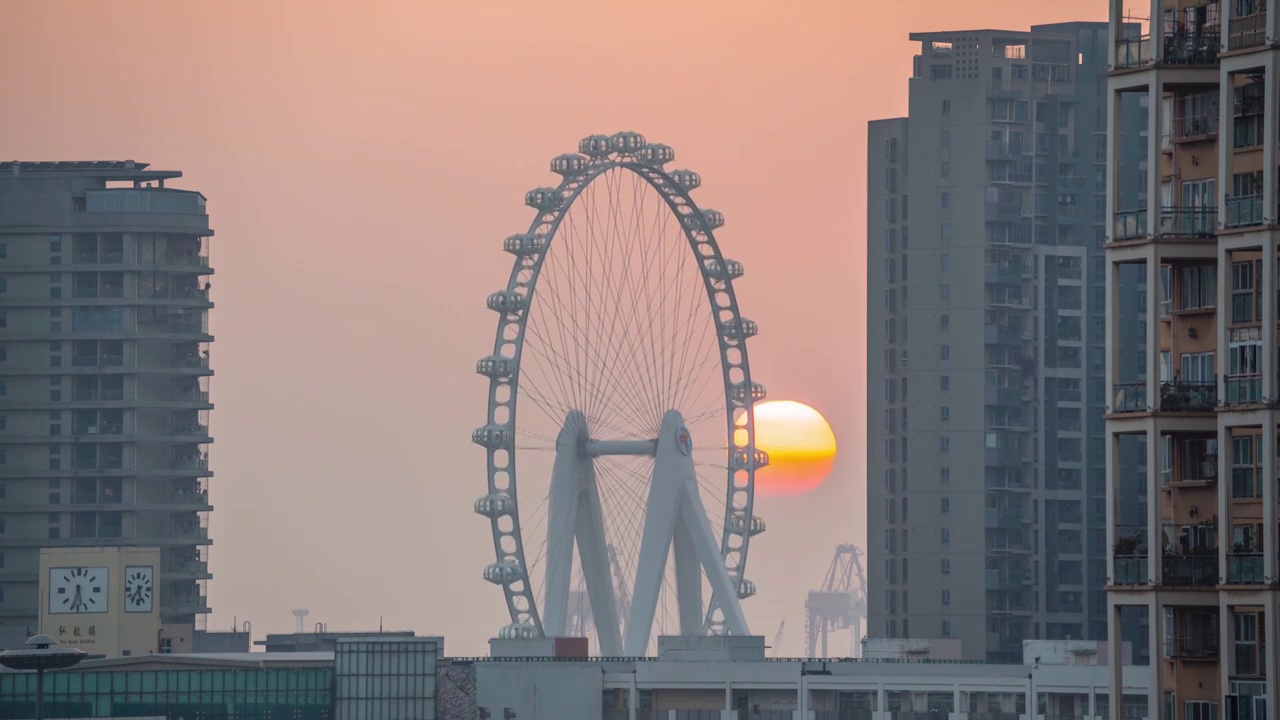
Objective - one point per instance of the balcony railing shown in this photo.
(1247, 31)
(1199, 644)
(1188, 222)
(101, 428)
(190, 428)
(1133, 52)
(1129, 225)
(1192, 47)
(1188, 396)
(1130, 570)
(1245, 568)
(97, 396)
(1129, 397)
(102, 360)
(1243, 389)
(1190, 570)
(1244, 210)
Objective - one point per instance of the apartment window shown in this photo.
(3, 388)
(944, 200)
(1197, 367)
(1196, 287)
(944, 383)
(944, 322)
(946, 107)
(944, 231)
(945, 443)
(946, 566)
(944, 261)
(1245, 306)
(944, 474)
(944, 352)
(891, 180)
(946, 536)
(891, 150)
(1244, 383)
(4, 251)
(945, 413)
(4, 422)
(946, 138)
(1245, 476)
(1248, 660)
(945, 169)
(946, 628)
(946, 597)
(1200, 710)
(946, 505)
(4, 319)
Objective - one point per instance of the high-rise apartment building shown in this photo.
(986, 382)
(104, 369)
(1198, 562)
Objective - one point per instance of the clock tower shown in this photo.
(101, 600)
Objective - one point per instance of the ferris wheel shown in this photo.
(619, 380)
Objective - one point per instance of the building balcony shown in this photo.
(102, 428)
(1197, 46)
(1189, 570)
(1243, 211)
(96, 257)
(97, 396)
(1245, 568)
(1129, 398)
(103, 360)
(194, 429)
(1197, 641)
(1248, 31)
(1243, 389)
(1005, 519)
(1130, 570)
(185, 567)
(1133, 52)
(172, 604)
(1188, 396)
(1175, 223)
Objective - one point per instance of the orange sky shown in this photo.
(363, 162)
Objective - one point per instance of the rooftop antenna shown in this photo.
(298, 616)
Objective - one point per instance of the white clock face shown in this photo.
(138, 588)
(77, 590)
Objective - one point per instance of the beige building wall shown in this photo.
(116, 615)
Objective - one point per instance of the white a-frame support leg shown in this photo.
(575, 513)
(675, 515)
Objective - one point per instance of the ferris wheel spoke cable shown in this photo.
(627, 394)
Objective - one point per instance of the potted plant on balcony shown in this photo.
(1126, 545)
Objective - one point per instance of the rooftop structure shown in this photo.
(691, 678)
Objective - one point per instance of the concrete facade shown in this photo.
(104, 368)
(1197, 562)
(985, 337)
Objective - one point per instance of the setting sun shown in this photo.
(801, 447)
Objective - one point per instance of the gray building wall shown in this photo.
(103, 375)
(986, 392)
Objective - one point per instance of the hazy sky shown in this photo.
(363, 162)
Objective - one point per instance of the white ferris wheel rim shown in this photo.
(601, 154)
